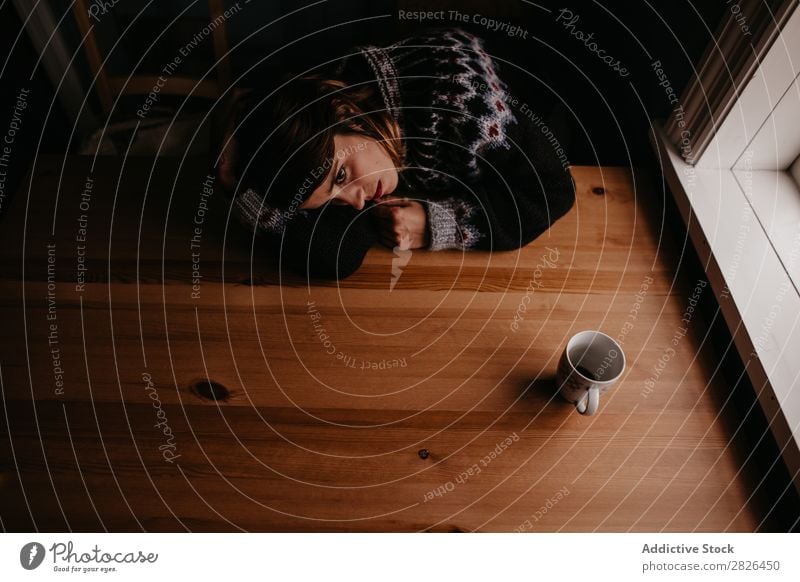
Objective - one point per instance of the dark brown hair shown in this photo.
(285, 138)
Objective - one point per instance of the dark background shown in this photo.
(607, 116)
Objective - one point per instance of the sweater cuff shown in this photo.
(448, 226)
(254, 213)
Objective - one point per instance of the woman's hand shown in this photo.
(401, 223)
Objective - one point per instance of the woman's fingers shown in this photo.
(401, 223)
(389, 234)
(388, 242)
(393, 202)
(389, 216)
(382, 212)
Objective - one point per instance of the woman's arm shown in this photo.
(521, 193)
(327, 243)
(402, 222)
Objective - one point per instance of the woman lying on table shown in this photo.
(414, 145)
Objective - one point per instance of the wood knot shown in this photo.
(210, 390)
(598, 190)
(424, 453)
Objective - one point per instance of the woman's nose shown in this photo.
(356, 196)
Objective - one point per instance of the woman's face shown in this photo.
(361, 171)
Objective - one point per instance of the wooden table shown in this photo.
(350, 406)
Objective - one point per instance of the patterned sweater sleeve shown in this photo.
(519, 193)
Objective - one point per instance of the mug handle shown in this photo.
(588, 404)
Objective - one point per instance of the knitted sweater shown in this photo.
(488, 177)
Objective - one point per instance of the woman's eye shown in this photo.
(340, 176)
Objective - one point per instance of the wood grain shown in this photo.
(321, 430)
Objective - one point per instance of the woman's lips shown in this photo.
(378, 191)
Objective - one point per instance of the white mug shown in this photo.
(591, 363)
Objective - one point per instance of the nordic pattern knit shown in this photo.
(488, 179)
